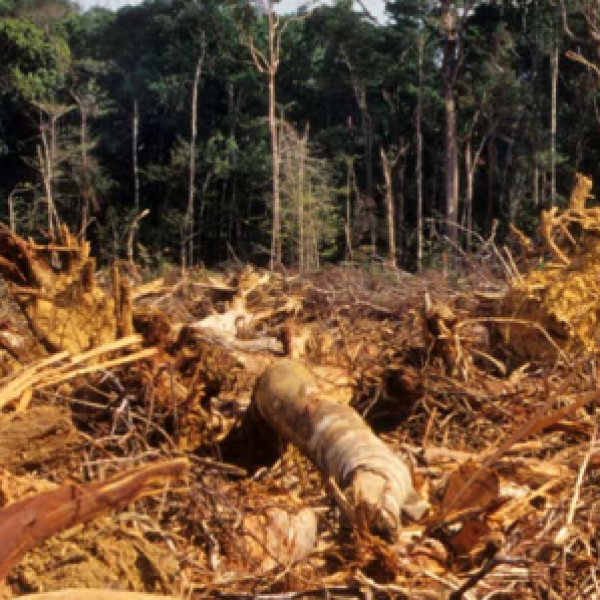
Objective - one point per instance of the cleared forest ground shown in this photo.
(129, 419)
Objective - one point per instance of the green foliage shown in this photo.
(337, 70)
(35, 63)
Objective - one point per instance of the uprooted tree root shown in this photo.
(503, 452)
(556, 303)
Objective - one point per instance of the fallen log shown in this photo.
(375, 484)
(31, 521)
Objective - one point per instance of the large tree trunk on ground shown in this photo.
(376, 483)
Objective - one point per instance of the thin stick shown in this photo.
(563, 533)
(141, 355)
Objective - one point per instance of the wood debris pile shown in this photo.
(555, 304)
(341, 435)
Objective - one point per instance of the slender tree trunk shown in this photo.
(492, 160)
(191, 205)
(367, 126)
(85, 209)
(544, 187)
(472, 159)
(276, 225)
(450, 139)
(348, 223)
(312, 226)
(53, 137)
(276, 251)
(233, 213)
(554, 61)
(419, 149)
(400, 207)
(86, 193)
(11, 211)
(83, 141)
(389, 206)
(302, 250)
(135, 126)
(367, 133)
(45, 160)
(48, 159)
(269, 64)
(451, 164)
(468, 206)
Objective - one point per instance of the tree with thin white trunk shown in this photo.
(267, 63)
(48, 156)
(188, 242)
(389, 159)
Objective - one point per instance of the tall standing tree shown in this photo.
(266, 61)
(414, 23)
(452, 27)
(353, 63)
(188, 255)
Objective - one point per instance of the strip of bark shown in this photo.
(28, 523)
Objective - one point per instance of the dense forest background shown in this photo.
(294, 140)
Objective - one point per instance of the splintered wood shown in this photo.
(63, 366)
(55, 287)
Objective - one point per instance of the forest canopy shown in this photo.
(320, 136)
